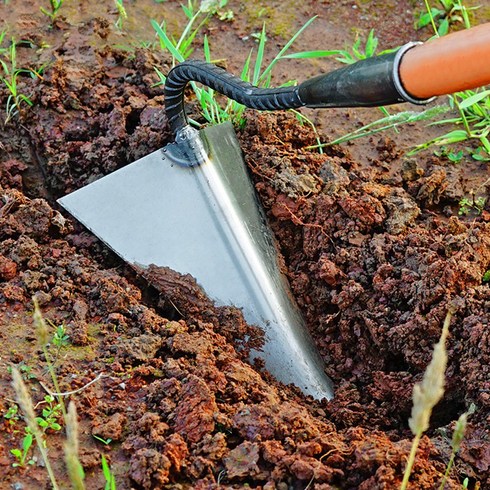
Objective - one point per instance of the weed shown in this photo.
(445, 14)
(385, 123)
(255, 73)
(60, 338)
(110, 480)
(21, 454)
(10, 77)
(55, 7)
(25, 371)
(12, 414)
(25, 402)
(456, 440)
(486, 276)
(450, 155)
(355, 54)
(473, 204)
(473, 114)
(43, 336)
(50, 415)
(122, 14)
(106, 442)
(181, 48)
(53, 411)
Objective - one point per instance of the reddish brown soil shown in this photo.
(372, 242)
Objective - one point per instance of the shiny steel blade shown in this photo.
(206, 221)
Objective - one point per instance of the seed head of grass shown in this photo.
(42, 330)
(427, 394)
(73, 465)
(430, 390)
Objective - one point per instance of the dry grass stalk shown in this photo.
(426, 395)
(73, 465)
(25, 402)
(42, 330)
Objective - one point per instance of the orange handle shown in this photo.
(449, 64)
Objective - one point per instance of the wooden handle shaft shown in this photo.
(449, 64)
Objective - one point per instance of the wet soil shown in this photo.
(371, 242)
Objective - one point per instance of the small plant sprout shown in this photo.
(25, 403)
(426, 395)
(110, 479)
(50, 415)
(122, 14)
(458, 435)
(11, 72)
(55, 6)
(106, 442)
(60, 338)
(472, 204)
(43, 336)
(21, 454)
(12, 414)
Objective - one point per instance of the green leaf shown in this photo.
(452, 137)
(260, 57)
(268, 70)
(27, 442)
(165, 42)
(424, 20)
(207, 52)
(313, 54)
(474, 99)
(443, 28)
(371, 44)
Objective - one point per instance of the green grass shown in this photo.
(443, 14)
(122, 14)
(10, 77)
(110, 480)
(254, 71)
(55, 6)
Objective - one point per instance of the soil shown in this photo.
(371, 241)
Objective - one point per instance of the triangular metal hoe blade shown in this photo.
(206, 221)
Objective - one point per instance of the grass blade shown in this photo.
(313, 54)
(260, 57)
(474, 99)
(165, 42)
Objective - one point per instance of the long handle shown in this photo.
(414, 73)
(459, 61)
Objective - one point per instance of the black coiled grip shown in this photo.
(262, 99)
(371, 82)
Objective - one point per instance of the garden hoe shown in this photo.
(191, 205)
